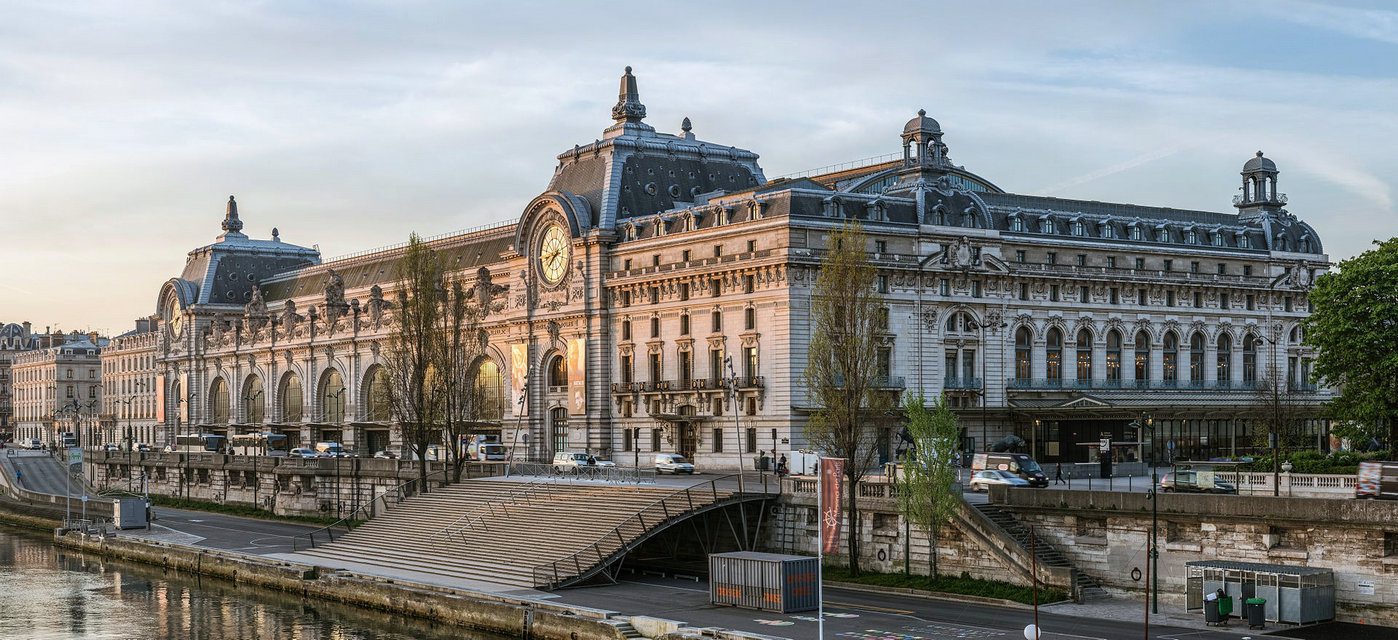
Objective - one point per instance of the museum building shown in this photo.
(656, 297)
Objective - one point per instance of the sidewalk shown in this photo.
(1171, 615)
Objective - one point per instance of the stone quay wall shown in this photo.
(284, 486)
(1105, 534)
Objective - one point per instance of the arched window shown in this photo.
(1196, 357)
(1016, 223)
(376, 402)
(254, 400)
(1171, 360)
(1023, 340)
(1142, 358)
(489, 387)
(1295, 337)
(1113, 356)
(558, 371)
(1225, 359)
(292, 402)
(1250, 359)
(332, 397)
(1053, 354)
(1084, 355)
(218, 402)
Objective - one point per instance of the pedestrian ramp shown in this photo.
(539, 533)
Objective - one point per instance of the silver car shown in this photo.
(673, 463)
(982, 480)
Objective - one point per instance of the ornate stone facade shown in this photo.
(58, 389)
(129, 388)
(683, 274)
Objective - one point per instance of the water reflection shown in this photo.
(48, 593)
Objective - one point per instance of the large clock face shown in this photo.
(176, 324)
(554, 252)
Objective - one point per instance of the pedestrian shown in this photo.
(781, 465)
(19, 476)
(1058, 474)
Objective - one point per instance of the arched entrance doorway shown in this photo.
(689, 432)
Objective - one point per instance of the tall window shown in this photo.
(1114, 356)
(292, 402)
(655, 327)
(1084, 355)
(1225, 358)
(625, 329)
(1196, 357)
(1250, 359)
(558, 371)
(332, 397)
(1053, 354)
(254, 400)
(489, 384)
(558, 423)
(1023, 367)
(628, 368)
(684, 324)
(218, 402)
(749, 318)
(655, 367)
(1171, 361)
(750, 361)
(1142, 358)
(715, 367)
(376, 395)
(686, 367)
(716, 322)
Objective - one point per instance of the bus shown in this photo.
(198, 443)
(259, 444)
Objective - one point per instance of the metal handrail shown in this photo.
(550, 569)
(399, 495)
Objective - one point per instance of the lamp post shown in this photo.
(261, 440)
(737, 433)
(187, 399)
(1146, 424)
(985, 396)
(1273, 410)
(519, 420)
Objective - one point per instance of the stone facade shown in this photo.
(15, 339)
(656, 297)
(58, 390)
(129, 386)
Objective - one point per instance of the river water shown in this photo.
(50, 593)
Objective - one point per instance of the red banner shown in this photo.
(832, 475)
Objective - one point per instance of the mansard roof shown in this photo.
(225, 271)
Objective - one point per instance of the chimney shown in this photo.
(26, 328)
(92, 337)
(142, 325)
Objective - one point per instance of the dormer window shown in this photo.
(1218, 239)
(1135, 232)
(1079, 229)
(1108, 230)
(1016, 223)
(1192, 237)
(1244, 242)
(1162, 235)
(1046, 225)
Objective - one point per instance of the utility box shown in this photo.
(764, 581)
(129, 513)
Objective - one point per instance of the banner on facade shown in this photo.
(832, 474)
(160, 383)
(519, 371)
(182, 398)
(577, 376)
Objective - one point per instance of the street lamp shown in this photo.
(261, 440)
(737, 433)
(1274, 411)
(1146, 426)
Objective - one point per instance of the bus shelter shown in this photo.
(1294, 595)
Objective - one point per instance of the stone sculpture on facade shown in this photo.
(487, 291)
(290, 319)
(256, 312)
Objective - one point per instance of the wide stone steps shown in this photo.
(524, 527)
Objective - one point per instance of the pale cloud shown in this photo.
(131, 123)
(1374, 24)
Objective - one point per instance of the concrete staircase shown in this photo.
(568, 527)
(1088, 588)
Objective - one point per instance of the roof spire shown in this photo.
(231, 223)
(687, 128)
(628, 104)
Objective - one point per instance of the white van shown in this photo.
(332, 450)
(487, 451)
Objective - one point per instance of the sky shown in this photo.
(125, 126)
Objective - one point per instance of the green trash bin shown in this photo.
(1256, 611)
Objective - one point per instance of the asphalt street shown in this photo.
(860, 615)
(230, 533)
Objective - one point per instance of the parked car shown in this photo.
(673, 463)
(573, 461)
(111, 446)
(1017, 463)
(141, 447)
(982, 480)
(1191, 482)
(333, 450)
(386, 454)
(303, 452)
(35, 444)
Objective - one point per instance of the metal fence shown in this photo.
(616, 475)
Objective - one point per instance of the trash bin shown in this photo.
(1256, 610)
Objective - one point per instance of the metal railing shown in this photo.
(1154, 385)
(961, 383)
(488, 510)
(379, 504)
(671, 507)
(617, 475)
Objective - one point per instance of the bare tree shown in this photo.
(843, 373)
(929, 496)
(415, 390)
(456, 358)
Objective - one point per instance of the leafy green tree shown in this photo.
(1354, 328)
(929, 497)
(843, 373)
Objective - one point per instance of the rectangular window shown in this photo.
(1053, 293)
(716, 406)
(655, 327)
(750, 406)
(1023, 291)
(1222, 268)
(1115, 299)
(1250, 305)
(1247, 269)
(684, 291)
(883, 284)
(1141, 298)
(684, 255)
(944, 287)
(684, 324)
(655, 295)
(752, 246)
(1082, 259)
(655, 367)
(1169, 265)
(626, 443)
(686, 368)
(1169, 298)
(1223, 302)
(1198, 300)
(655, 437)
(880, 246)
(715, 287)
(625, 330)
(749, 318)
(1051, 257)
(716, 322)
(718, 251)
(655, 260)
(1194, 266)
(751, 440)
(1019, 255)
(1082, 294)
(715, 367)
(749, 284)
(1140, 263)
(627, 364)
(625, 298)
(718, 440)
(750, 362)
(1286, 303)
(1111, 262)
(975, 288)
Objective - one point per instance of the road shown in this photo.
(860, 615)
